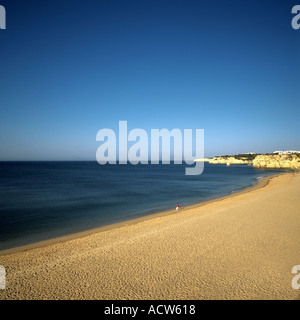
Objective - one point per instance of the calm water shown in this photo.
(42, 200)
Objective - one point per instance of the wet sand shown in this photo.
(238, 247)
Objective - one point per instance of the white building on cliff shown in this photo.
(286, 152)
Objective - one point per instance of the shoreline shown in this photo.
(48, 242)
(242, 246)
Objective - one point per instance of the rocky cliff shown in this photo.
(291, 161)
(286, 161)
(228, 160)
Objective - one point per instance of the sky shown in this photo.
(72, 68)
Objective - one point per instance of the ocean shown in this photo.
(44, 200)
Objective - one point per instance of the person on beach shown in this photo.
(177, 207)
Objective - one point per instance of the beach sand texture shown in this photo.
(240, 247)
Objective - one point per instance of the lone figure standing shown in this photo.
(177, 207)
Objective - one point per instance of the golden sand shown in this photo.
(239, 247)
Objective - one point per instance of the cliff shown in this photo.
(229, 160)
(285, 161)
(290, 161)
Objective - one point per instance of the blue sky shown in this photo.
(71, 68)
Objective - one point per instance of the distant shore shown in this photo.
(241, 246)
(262, 183)
(277, 160)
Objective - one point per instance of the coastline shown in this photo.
(242, 246)
(44, 243)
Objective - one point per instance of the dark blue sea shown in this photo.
(43, 200)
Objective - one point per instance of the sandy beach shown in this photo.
(239, 247)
